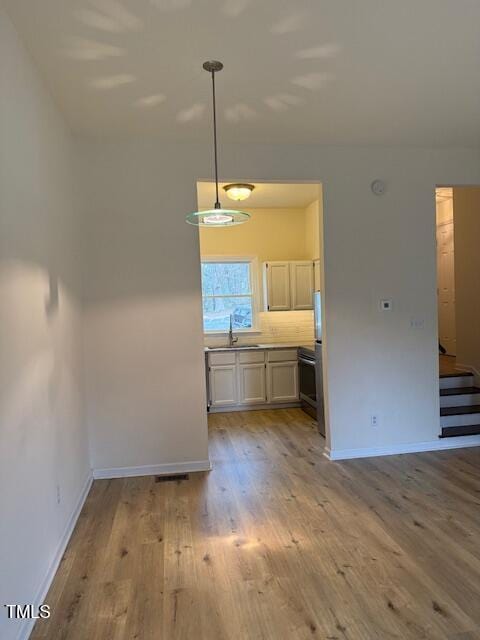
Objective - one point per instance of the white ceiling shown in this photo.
(266, 195)
(314, 71)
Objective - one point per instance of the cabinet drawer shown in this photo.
(222, 357)
(282, 355)
(247, 357)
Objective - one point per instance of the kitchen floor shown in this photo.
(277, 543)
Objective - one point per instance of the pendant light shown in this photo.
(216, 217)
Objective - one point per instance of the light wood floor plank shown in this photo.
(276, 543)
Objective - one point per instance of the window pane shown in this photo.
(217, 311)
(225, 278)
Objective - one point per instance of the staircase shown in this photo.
(459, 405)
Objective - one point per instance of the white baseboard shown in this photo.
(416, 447)
(255, 407)
(27, 626)
(152, 469)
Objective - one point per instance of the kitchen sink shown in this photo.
(235, 346)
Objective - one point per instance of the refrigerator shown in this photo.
(317, 315)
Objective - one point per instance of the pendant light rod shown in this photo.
(216, 217)
(213, 66)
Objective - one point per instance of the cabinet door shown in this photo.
(223, 385)
(317, 276)
(251, 383)
(278, 286)
(301, 284)
(282, 381)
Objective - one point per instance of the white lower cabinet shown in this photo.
(242, 379)
(251, 378)
(223, 385)
(282, 382)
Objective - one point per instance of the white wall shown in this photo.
(143, 291)
(43, 443)
(145, 377)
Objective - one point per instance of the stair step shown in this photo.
(456, 374)
(453, 391)
(456, 380)
(460, 411)
(459, 396)
(459, 416)
(466, 430)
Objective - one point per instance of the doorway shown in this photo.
(458, 266)
(446, 273)
(261, 287)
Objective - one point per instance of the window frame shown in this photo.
(254, 288)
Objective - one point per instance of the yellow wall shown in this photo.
(270, 234)
(444, 211)
(313, 230)
(466, 207)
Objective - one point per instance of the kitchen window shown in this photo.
(228, 291)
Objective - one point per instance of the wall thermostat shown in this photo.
(378, 187)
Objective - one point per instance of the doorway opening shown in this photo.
(446, 278)
(262, 303)
(458, 269)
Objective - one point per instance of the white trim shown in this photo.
(459, 442)
(28, 624)
(470, 369)
(254, 407)
(152, 469)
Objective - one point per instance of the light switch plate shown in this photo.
(417, 323)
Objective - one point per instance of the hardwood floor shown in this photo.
(277, 543)
(448, 364)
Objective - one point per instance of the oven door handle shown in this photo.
(311, 363)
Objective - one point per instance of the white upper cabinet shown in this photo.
(277, 289)
(289, 285)
(301, 285)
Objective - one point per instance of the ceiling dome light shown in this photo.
(217, 217)
(239, 191)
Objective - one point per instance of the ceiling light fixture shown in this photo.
(216, 217)
(238, 191)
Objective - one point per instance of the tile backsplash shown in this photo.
(276, 326)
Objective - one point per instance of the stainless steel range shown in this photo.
(311, 382)
(311, 372)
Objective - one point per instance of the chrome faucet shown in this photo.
(231, 340)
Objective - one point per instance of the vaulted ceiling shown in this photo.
(303, 71)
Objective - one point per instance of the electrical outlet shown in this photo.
(59, 495)
(374, 421)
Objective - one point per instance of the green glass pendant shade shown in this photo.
(216, 217)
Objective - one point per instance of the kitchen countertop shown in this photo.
(266, 345)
